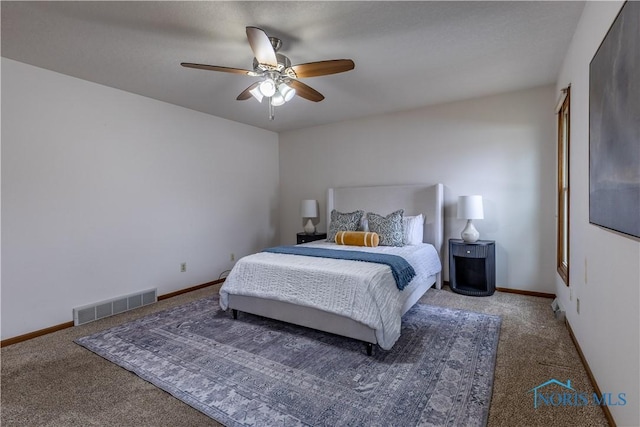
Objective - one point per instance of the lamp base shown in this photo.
(470, 234)
(309, 228)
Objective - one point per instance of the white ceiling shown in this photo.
(407, 54)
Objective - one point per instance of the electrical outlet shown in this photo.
(183, 267)
(578, 305)
(232, 257)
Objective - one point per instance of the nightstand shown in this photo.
(472, 267)
(306, 238)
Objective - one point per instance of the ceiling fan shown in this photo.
(279, 82)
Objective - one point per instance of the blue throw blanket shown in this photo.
(402, 271)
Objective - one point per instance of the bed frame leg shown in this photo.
(369, 349)
(234, 313)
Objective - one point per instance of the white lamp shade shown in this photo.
(470, 207)
(277, 99)
(287, 92)
(309, 209)
(255, 92)
(267, 87)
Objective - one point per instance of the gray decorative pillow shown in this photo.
(389, 228)
(343, 222)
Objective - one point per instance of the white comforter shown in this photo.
(363, 291)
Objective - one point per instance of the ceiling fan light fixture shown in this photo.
(267, 87)
(255, 92)
(277, 99)
(287, 92)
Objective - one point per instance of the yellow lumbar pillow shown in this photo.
(357, 238)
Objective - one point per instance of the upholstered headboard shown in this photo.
(414, 199)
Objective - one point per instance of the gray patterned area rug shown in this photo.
(259, 372)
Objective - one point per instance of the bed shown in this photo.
(316, 292)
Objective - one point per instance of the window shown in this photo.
(563, 185)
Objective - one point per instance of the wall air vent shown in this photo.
(99, 310)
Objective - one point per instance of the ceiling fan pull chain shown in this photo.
(272, 111)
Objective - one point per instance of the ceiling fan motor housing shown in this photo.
(283, 63)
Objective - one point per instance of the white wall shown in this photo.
(105, 193)
(604, 265)
(502, 147)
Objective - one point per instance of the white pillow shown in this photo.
(413, 229)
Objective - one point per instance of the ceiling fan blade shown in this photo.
(261, 46)
(246, 94)
(323, 68)
(218, 68)
(305, 91)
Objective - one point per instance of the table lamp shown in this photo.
(470, 208)
(309, 209)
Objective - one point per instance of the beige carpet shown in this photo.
(50, 381)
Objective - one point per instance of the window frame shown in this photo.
(563, 111)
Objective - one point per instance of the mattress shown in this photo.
(363, 291)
